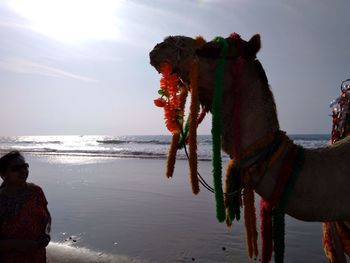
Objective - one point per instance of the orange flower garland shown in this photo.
(344, 236)
(171, 159)
(250, 221)
(227, 190)
(169, 88)
(192, 132)
(173, 100)
(173, 104)
(194, 108)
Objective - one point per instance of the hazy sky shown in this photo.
(82, 66)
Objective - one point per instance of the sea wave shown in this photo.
(111, 141)
(61, 252)
(35, 142)
(310, 137)
(155, 142)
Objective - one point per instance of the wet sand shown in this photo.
(127, 210)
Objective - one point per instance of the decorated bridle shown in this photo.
(265, 151)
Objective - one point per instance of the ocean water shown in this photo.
(150, 147)
(110, 202)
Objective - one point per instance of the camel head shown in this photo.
(180, 51)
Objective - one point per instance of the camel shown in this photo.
(321, 191)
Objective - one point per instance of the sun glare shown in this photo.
(71, 20)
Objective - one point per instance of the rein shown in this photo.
(267, 147)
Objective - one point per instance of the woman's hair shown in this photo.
(5, 162)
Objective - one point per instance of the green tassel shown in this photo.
(216, 129)
(184, 133)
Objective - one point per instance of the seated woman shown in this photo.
(24, 218)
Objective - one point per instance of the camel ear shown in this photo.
(209, 50)
(254, 45)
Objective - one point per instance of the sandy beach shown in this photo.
(125, 210)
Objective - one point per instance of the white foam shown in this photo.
(62, 252)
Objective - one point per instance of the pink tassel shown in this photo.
(266, 231)
(201, 116)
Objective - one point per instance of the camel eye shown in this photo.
(182, 43)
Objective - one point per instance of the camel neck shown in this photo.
(265, 175)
